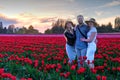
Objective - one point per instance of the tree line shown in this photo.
(12, 30)
(58, 28)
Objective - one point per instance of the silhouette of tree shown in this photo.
(5, 30)
(48, 31)
(31, 30)
(57, 27)
(11, 29)
(117, 24)
(22, 30)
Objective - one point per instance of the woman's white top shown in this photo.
(92, 29)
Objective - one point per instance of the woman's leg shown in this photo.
(70, 53)
(90, 56)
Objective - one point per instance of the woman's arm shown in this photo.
(65, 37)
(74, 28)
(90, 39)
(96, 41)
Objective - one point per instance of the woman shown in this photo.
(70, 40)
(91, 39)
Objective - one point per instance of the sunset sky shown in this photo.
(41, 13)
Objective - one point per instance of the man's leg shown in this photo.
(78, 52)
(83, 53)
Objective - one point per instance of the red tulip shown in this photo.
(59, 66)
(23, 79)
(13, 77)
(93, 71)
(108, 68)
(98, 77)
(29, 79)
(113, 69)
(35, 63)
(84, 57)
(61, 74)
(1, 70)
(68, 73)
(42, 62)
(104, 78)
(73, 67)
(57, 70)
(88, 61)
(118, 68)
(105, 64)
(81, 70)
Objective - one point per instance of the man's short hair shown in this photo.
(79, 16)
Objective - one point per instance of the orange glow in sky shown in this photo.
(41, 13)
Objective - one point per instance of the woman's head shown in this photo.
(69, 25)
(91, 22)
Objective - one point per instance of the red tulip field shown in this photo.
(44, 58)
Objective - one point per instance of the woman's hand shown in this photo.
(82, 39)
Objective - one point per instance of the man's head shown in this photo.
(80, 19)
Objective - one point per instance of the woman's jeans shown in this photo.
(70, 52)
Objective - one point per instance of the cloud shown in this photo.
(43, 28)
(106, 5)
(26, 15)
(7, 21)
(1, 7)
(98, 13)
(70, 0)
(30, 17)
(45, 20)
(43, 23)
(40, 23)
(107, 20)
(111, 4)
(26, 19)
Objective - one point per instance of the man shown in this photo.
(80, 46)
